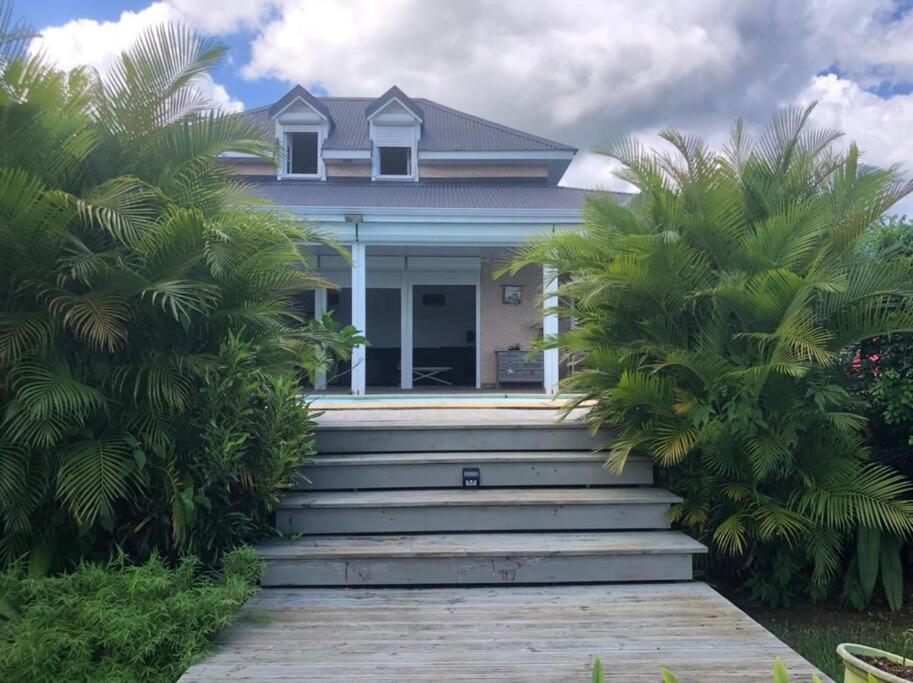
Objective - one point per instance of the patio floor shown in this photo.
(497, 634)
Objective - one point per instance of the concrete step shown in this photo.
(543, 434)
(442, 470)
(485, 509)
(495, 558)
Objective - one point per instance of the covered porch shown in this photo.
(438, 320)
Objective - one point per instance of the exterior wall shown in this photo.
(338, 170)
(430, 170)
(506, 324)
(258, 168)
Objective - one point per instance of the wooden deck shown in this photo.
(496, 634)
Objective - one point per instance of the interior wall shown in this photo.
(504, 325)
(447, 325)
(445, 336)
(384, 331)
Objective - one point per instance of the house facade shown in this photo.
(430, 201)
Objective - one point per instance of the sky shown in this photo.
(577, 71)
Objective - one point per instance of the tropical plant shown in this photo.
(780, 673)
(710, 311)
(118, 621)
(148, 335)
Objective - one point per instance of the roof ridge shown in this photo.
(496, 125)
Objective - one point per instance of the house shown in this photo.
(430, 200)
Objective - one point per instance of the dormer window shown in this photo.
(303, 124)
(303, 153)
(395, 128)
(395, 161)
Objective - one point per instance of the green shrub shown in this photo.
(149, 345)
(711, 312)
(120, 622)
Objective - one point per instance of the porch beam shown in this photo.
(550, 328)
(359, 316)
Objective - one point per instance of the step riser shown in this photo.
(420, 440)
(478, 570)
(431, 519)
(450, 475)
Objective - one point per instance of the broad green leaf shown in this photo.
(892, 572)
(868, 543)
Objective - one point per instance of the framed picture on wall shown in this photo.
(512, 294)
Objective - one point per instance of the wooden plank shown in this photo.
(480, 497)
(483, 545)
(471, 570)
(461, 559)
(445, 470)
(453, 437)
(498, 634)
(477, 457)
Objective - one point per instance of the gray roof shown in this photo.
(443, 129)
(355, 196)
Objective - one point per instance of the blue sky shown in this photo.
(572, 70)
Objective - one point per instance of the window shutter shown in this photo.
(394, 136)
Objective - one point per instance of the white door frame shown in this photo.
(403, 272)
(412, 278)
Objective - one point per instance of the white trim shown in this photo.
(443, 264)
(296, 100)
(549, 329)
(478, 338)
(405, 326)
(282, 130)
(359, 316)
(347, 154)
(388, 102)
(480, 155)
(439, 234)
(452, 215)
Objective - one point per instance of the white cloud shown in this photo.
(882, 127)
(98, 43)
(573, 70)
(223, 16)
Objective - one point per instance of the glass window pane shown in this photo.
(303, 152)
(395, 160)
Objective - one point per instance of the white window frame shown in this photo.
(282, 134)
(413, 160)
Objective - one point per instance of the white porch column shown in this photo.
(405, 330)
(359, 315)
(320, 308)
(550, 328)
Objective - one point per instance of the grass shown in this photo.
(814, 631)
(118, 621)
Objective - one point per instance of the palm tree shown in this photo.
(710, 310)
(136, 274)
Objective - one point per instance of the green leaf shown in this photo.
(868, 544)
(892, 572)
(598, 671)
(781, 675)
(668, 677)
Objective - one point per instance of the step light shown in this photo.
(471, 478)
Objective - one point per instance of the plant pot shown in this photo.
(858, 670)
